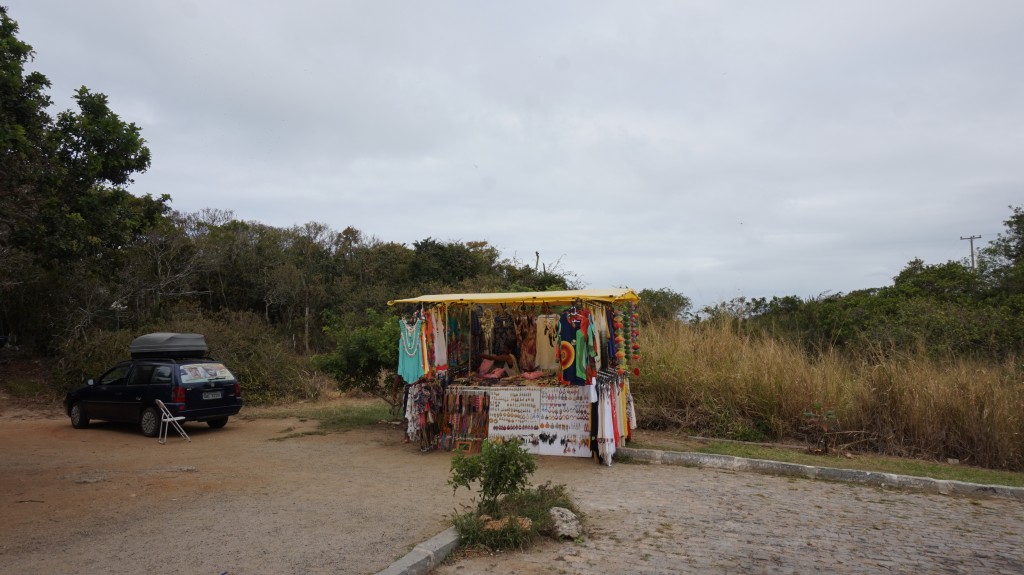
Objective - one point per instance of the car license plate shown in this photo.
(213, 394)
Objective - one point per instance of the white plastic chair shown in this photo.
(167, 419)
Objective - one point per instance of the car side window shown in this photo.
(115, 376)
(141, 375)
(162, 374)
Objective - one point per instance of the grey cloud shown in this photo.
(718, 149)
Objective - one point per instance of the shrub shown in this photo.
(263, 364)
(509, 513)
(501, 468)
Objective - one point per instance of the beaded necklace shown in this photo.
(410, 338)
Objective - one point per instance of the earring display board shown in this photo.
(549, 420)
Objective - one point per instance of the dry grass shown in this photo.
(715, 381)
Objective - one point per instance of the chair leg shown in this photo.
(181, 431)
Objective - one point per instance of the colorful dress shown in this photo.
(547, 342)
(573, 348)
(410, 351)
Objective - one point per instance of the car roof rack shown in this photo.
(163, 345)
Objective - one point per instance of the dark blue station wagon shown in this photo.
(166, 366)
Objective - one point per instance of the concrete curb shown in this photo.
(426, 555)
(945, 487)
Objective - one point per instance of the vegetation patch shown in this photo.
(330, 417)
(509, 514)
(862, 462)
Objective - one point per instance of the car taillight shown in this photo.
(178, 395)
(238, 389)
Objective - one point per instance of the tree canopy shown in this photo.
(946, 309)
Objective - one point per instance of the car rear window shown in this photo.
(204, 372)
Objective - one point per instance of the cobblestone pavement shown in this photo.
(667, 519)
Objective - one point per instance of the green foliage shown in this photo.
(532, 504)
(264, 367)
(365, 351)
(1002, 261)
(81, 253)
(663, 304)
(65, 217)
(501, 468)
(945, 310)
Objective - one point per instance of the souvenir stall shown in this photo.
(549, 369)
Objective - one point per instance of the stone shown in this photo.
(567, 525)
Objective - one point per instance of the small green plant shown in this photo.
(501, 468)
(820, 425)
(517, 520)
(509, 513)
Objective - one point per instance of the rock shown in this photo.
(567, 525)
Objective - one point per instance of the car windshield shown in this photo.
(204, 372)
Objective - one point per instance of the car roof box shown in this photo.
(168, 345)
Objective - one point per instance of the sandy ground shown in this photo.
(109, 500)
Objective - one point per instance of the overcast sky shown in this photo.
(721, 149)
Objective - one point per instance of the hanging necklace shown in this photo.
(409, 339)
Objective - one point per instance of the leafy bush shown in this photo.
(509, 513)
(517, 520)
(365, 353)
(263, 364)
(502, 468)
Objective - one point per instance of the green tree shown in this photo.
(663, 304)
(1002, 261)
(24, 125)
(66, 218)
(365, 355)
(951, 281)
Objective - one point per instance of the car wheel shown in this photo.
(150, 422)
(217, 423)
(78, 418)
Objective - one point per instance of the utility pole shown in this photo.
(972, 238)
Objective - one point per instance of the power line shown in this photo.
(972, 238)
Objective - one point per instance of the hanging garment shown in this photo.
(547, 342)
(576, 351)
(410, 351)
(505, 338)
(440, 340)
(412, 412)
(586, 351)
(487, 330)
(458, 348)
(630, 411)
(600, 334)
(526, 333)
(606, 433)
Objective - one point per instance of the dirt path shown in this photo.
(108, 500)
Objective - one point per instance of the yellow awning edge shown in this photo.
(610, 295)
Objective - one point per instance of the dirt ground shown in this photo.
(236, 501)
(109, 500)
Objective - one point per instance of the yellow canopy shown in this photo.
(611, 295)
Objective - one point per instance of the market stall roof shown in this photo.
(610, 295)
